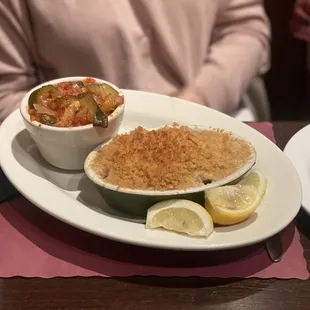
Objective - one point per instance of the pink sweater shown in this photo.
(213, 46)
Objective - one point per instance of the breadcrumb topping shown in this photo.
(170, 158)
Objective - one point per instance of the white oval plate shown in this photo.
(72, 198)
(298, 151)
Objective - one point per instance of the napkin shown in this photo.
(34, 244)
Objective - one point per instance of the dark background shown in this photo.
(287, 80)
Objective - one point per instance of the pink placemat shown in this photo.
(34, 244)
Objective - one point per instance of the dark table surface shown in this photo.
(165, 293)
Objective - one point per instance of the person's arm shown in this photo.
(300, 24)
(17, 73)
(239, 50)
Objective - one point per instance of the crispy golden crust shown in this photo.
(170, 158)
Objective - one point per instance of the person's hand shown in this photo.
(191, 95)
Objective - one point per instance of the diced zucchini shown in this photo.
(102, 90)
(88, 101)
(47, 119)
(48, 89)
(110, 90)
(32, 99)
(35, 95)
(99, 118)
(106, 96)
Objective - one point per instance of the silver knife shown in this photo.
(274, 248)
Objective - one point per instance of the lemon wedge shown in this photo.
(181, 216)
(255, 180)
(233, 204)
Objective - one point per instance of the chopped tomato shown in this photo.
(63, 85)
(89, 81)
(34, 116)
(68, 90)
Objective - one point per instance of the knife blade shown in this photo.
(7, 190)
(274, 248)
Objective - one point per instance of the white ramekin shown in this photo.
(67, 148)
